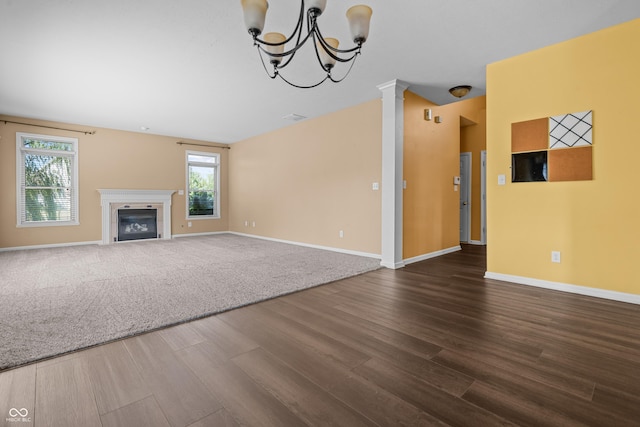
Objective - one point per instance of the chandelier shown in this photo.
(272, 45)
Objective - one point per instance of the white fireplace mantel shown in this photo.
(109, 196)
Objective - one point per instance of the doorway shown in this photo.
(465, 197)
(483, 197)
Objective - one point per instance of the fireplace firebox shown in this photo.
(137, 224)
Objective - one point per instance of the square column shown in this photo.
(392, 173)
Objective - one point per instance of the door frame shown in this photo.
(483, 197)
(469, 192)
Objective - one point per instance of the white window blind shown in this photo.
(202, 185)
(47, 180)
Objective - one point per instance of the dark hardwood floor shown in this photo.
(431, 344)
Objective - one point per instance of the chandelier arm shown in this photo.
(275, 72)
(298, 43)
(315, 47)
(291, 51)
(324, 43)
(330, 48)
(328, 76)
(311, 24)
(296, 31)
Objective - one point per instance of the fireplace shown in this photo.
(143, 214)
(137, 224)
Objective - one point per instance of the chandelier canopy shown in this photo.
(280, 50)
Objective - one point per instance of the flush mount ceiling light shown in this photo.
(273, 45)
(460, 91)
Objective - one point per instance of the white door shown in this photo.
(465, 197)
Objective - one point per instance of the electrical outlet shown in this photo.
(376, 186)
(246, 223)
(341, 234)
(253, 223)
(189, 224)
(555, 256)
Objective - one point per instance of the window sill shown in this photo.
(48, 224)
(191, 218)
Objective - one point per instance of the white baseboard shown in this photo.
(432, 255)
(393, 266)
(54, 245)
(565, 287)
(308, 245)
(208, 233)
(475, 242)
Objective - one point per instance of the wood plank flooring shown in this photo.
(431, 344)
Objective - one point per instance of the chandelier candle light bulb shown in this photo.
(273, 45)
(277, 48)
(327, 60)
(317, 6)
(255, 12)
(359, 18)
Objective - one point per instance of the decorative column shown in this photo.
(392, 175)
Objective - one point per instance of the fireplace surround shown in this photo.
(113, 200)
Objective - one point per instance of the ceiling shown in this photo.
(188, 68)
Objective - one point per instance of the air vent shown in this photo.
(294, 117)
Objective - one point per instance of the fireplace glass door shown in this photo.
(136, 224)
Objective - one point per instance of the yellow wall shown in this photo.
(431, 211)
(593, 223)
(306, 182)
(108, 159)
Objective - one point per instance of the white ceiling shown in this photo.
(188, 69)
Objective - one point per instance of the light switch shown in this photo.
(376, 186)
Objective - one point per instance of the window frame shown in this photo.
(216, 189)
(21, 185)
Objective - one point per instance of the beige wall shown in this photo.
(308, 181)
(303, 183)
(594, 224)
(431, 212)
(108, 159)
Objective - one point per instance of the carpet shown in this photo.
(57, 300)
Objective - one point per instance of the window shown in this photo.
(47, 180)
(202, 185)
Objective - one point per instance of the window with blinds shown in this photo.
(47, 180)
(202, 185)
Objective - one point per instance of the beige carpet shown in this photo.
(57, 300)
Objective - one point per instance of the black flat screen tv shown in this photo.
(528, 167)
